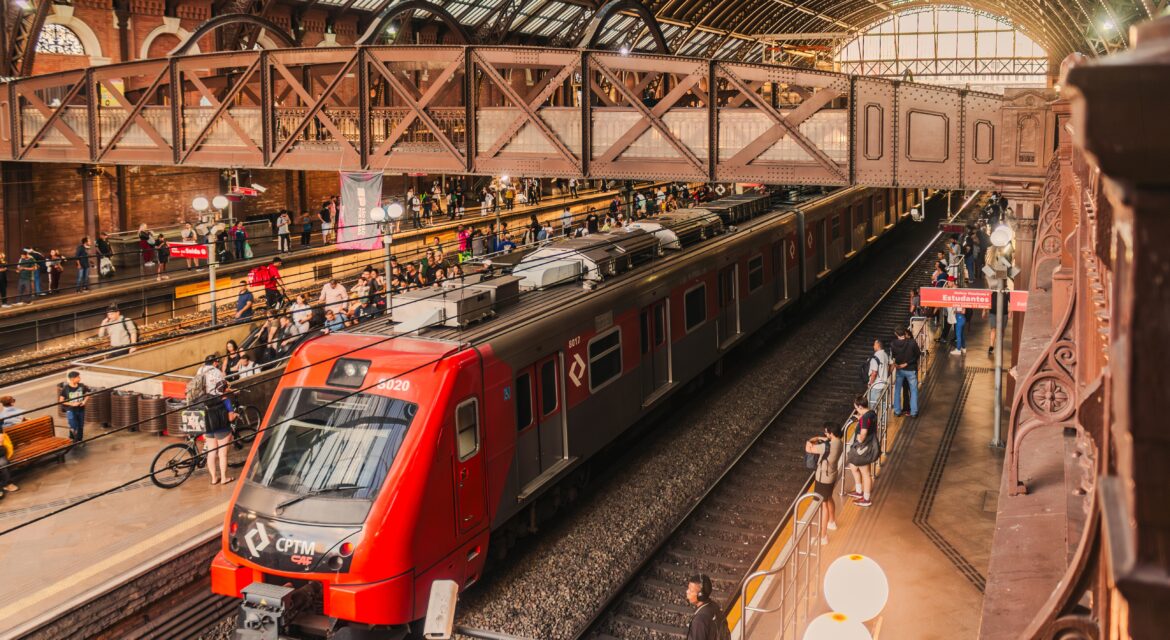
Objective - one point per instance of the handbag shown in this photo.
(7, 443)
(864, 453)
(248, 255)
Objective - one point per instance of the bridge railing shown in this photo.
(525, 111)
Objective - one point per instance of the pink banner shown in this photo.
(188, 250)
(360, 192)
(966, 298)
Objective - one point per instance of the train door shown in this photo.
(728, 304)
(527, 435)
(655, 341)
(550, 412)
(469, 480)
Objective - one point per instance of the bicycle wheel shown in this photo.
(241, 444)
(173, 465)
(250, 417)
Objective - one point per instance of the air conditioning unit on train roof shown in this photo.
(681, 227)
(592, 258)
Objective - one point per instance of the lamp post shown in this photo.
(386, 219)
(1001, 238)
(201, 205)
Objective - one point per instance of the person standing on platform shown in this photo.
(878, 369)
(187, 236)
(240, 240)
(573, 187)
(906, 354)
(54, 265)
(121, 330)
(4, 280)
(708, 621)
(245, 303)
(993, 314)
(39, 261)
(146, 245)
(105, 255)
(566, 222)
(326, 214)
(867, 437)
(591, 221)
(73, 395)
(958, 316)
(26, 270)
(306, 230)
(82, 256)
(162, 251)
(284, 242)
(828, 449)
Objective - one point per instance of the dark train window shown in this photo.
(523, 401)
(548, 387)
(755, 273)
(467, 427)
(836, 227)
(695, 307)
(605, 358)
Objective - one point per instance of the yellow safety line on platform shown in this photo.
(132, 552)
(782, 540)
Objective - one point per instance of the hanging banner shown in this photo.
(360, 192)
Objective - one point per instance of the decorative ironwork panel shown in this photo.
(874, 132)
(929, 136)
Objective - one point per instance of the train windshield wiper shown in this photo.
(315, 492)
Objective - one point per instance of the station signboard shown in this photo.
(969, 298)
(188, 250)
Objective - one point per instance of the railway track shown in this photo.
(722, 534)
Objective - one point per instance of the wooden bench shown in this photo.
(36, 440)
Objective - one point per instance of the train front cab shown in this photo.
(368, 559)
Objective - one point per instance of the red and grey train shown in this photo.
(395, 454)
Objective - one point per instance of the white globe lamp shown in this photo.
(836, 626)
(378, 214)
(219, 202)
(394, 210)
(200, 204)
(856, 586)
(1002, 236)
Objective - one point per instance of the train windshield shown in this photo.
(331, 445)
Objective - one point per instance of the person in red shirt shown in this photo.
(273, 285)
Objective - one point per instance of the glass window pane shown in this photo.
(467, 428)
(695, 307)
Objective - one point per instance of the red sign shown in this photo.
(244, 191)
(1018, 301)
(966, 298)
(188, 250)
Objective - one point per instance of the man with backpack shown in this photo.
(122, 331)
(708, 622)
(877, 371)
(207, 391)
(269, 277)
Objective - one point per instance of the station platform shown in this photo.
(67, 316)
(933, 516)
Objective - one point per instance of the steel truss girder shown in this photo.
(515, 110)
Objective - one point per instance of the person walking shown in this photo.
(708, 621)
(121, 330)
(284, 243)
(217, 435)
(73, 396)
(82, 256)
(864, 451)
(273, 283)
(906, 353)
(828, 449)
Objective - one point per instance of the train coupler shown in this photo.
(268, 610)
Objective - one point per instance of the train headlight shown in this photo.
(346, 549)
(348, 372)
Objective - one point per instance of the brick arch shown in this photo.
(169, 27)
(63, 15)
(162, 44)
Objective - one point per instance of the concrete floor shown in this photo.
(933, 518)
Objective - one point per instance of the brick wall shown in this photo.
(162, 195)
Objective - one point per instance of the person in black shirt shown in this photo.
(591, 221)
(708, 622)
(906, 354)
(73, 395)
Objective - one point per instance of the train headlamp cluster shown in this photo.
(348, 372)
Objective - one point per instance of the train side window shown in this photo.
(605, 358)
(523, 401)
(695, 307)
(755, 273)
(548, 387)
(467, 428)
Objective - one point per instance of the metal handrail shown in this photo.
(800, 532)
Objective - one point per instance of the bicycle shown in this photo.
(176, 462)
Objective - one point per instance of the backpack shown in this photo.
(865, 369)
(258, 276)
(196, 387)
(813, 461)
(105, 266)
